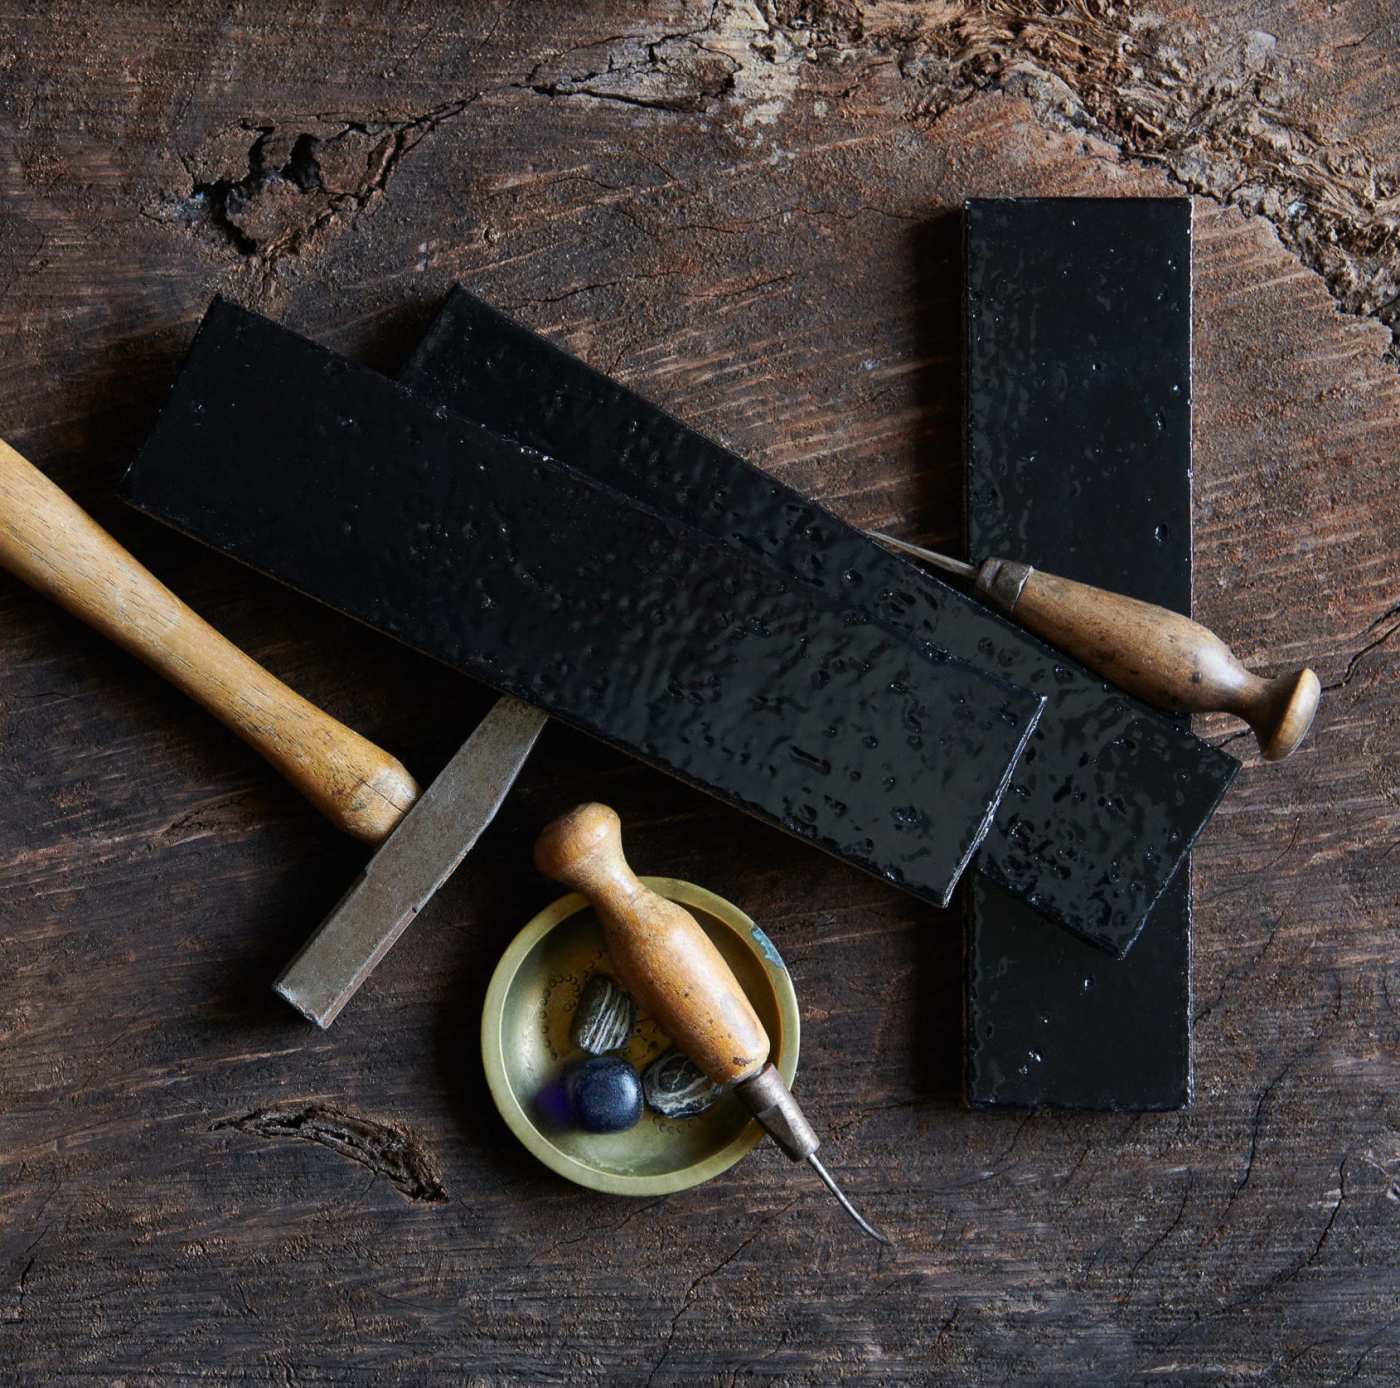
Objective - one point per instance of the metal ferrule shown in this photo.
(771, 1102)
(1001, 582)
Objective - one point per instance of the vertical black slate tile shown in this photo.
(1079, 461)
(1110, 794)
(487, 555)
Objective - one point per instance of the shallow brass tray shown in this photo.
(525, 1045)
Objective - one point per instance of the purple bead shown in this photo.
(553, 1102)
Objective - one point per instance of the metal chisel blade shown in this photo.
(420, 855)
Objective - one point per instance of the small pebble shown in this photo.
(605, 1094)
(604, 1016)
(677, 1088)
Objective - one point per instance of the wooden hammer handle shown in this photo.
(51, 543)
(663, 957)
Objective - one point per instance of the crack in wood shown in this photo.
(593, 1233)
(705, 1276)
(1257, 1122)
(300, 183)
(1164, 1235)
(1240, 972)
(656, 72)
(386, 1150)
(585, 289)
(1366, 650)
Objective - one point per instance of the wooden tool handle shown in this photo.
(664, 959)
(51, 543)
(1159, 655)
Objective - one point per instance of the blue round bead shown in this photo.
(605, 1094)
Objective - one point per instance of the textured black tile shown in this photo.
(539, 581)
(1078, 386)
(1052, 1022)
(1079, 461)
(1110, 794)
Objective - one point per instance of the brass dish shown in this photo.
(525, 1045)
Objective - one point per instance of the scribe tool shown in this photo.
(1164, 658)
(668, 963)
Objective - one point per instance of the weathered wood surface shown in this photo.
(741, 209)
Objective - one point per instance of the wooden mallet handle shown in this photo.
(51, 543)
(662, 956)
(1159, 655)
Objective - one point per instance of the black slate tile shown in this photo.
(1079, 461)
(1110, 794)
(538, 580)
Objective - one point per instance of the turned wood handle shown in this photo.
(664, 959)
(51, 543)
(1162, 657)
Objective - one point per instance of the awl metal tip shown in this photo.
(931, 556)
(846, 1205)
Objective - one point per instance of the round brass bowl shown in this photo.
(525, 1045)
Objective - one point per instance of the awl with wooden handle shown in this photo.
(1166, 659)
(673, 970)
(52, 544)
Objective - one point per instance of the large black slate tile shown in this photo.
(1079, 461)
(1109, 795)
(695, 657)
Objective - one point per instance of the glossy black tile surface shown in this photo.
(1110, 794)
(1078, 457)
(536, 579)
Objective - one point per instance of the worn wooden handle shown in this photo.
(662, 956)
(51, 543)
(1159, 655)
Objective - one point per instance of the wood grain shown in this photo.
(745, 212)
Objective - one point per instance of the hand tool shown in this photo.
(52, 544)
(1161, 656)
(672, 968)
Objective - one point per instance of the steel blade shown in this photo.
(930, 556)
(420, 855)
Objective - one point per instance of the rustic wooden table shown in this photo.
(739, 207)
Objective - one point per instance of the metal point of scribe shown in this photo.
(770, 1101)
(846, 1205)
(930, 556)
(1159, 655)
